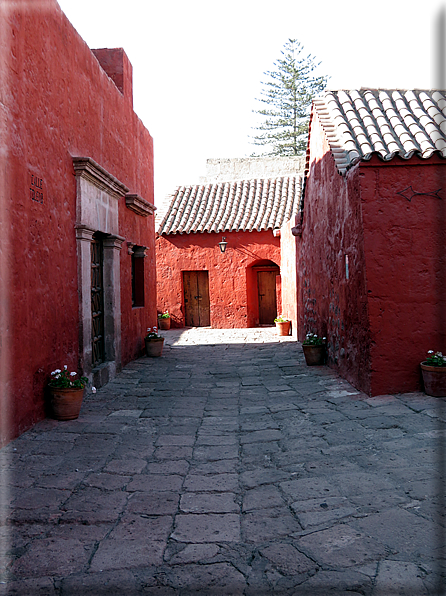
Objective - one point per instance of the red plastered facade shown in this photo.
(371, 266)
(60, 104)
(405, 267)
(233, 290)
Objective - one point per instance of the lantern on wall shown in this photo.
(223, 245)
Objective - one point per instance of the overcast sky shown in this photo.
(198, 64)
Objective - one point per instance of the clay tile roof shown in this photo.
(388, 122)
(243, 205)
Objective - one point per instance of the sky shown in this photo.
(198, 64)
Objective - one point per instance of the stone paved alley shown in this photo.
(227, 466)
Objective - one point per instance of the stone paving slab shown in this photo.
(227, 466)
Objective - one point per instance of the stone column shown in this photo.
(84, 238)
(112, 301)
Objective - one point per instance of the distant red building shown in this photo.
(371, 243)
(244, 286)
(77, 260)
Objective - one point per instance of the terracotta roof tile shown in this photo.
(388, 122)
(243, 205)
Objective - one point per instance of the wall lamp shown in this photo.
(223, 245)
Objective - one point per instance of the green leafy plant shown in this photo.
(165, 315)
(152, 333)
(63, 379)
(313, 340)
(281, 319)
(434, 359)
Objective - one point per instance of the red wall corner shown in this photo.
(332, 303)
(116, 64)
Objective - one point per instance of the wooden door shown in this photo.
(97, 301)
(267, 297)
(197, 298)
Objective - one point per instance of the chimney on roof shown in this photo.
(117, 66)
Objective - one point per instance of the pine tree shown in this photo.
(288, 95)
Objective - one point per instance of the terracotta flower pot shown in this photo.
(66, 403)
(314, 355)
(164, 323)
(154, 346)
(283, 327)
(434, 380)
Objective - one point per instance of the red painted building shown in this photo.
(77, 261)
(242, 287)
(371, 239)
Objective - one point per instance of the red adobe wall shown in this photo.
(382, 319)
(232, 284)
(405, 267)
(59, 103)
(329, 303)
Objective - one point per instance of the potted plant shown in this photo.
(153, 343)
(314, 349)
(433, 374)
(164, 321)
(283, 325)
(66, 393)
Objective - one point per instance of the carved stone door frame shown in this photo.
(97, 195)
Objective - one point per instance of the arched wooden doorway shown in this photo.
(266, 280)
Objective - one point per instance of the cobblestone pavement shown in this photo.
(227, 466)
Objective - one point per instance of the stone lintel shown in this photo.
(109, 240)
(136, 250)
(86, 167)
(139, 205)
